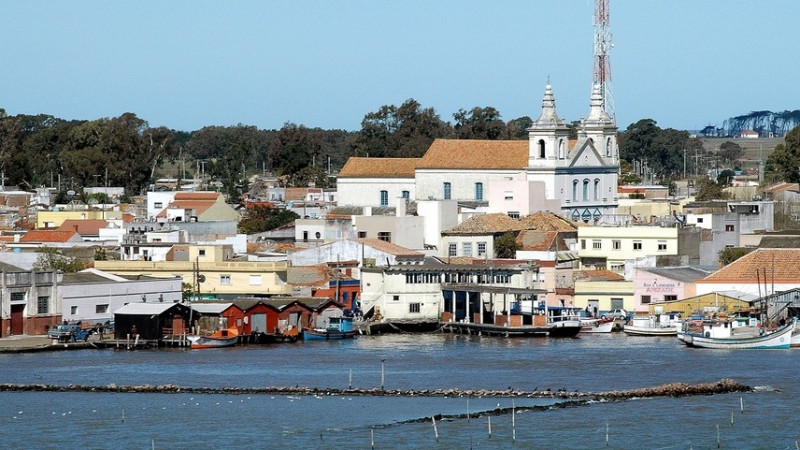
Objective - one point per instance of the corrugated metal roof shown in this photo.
(683, 274)
(141, 309)
(210, 308)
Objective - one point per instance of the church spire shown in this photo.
(597, 112)
(549, 118)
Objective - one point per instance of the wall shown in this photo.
(366, 191)
(430, 182)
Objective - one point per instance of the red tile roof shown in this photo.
(597, 275)
(485, 224)
(779, 265)
(388, 247)
(83, 227)
(207, 196)
(357, 167)
(48, 236)
(475, 154)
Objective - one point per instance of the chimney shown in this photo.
(400, 211)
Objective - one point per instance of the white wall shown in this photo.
(366, 191)
(163, 197)
(439, 215)
(430, 182)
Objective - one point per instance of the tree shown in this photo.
(518, 128)
(264, 218)
(506, 245)
(730, 151)
(725, 177)
(49, 258)
(662, 149)
(731, 254)
(709, 190)
(783, 164)
(479, 123)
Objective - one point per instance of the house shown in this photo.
(93, 296)
(761, 272)
(294, 313)
(59, 238)
(609, 247)
(259, 317)
(475, 237)
(197, 207)
(602, 291)
(368, 251)
(29, 301)
(55, 218)
(580, 177)
(211, 317)
(665, 284)
(152, 321)
(89, 230)
(748, 134)
(713, 303)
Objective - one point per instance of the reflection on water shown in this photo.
(593, 363)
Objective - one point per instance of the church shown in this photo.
(549, 172)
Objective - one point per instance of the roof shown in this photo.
(197, 201)
(388, 247)
(6, 267)
(210, 308)
(48, 236)
(86, 226)
(778, 265)
(539, 241)
(547, 221)
(485, 224)
(203, 196)
(143, 309)
(308, 275)
(357, 167)
(597, 275)
(682, 274)
(476, 154)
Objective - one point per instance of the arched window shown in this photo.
(561, 151)
(597, 189)
(541, 148)
(384, 198)
(575, 190)
(585, 190)
(608, 148)
(479, 192)
(447, 190)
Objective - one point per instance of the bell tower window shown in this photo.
(541, 148)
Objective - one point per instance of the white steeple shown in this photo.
(548, 135)
(600, 129)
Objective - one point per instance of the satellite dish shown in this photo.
(71, 193)
(270, 245)
(201, 278)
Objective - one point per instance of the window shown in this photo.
(17, 296)
(616, 303)
(385, 236)
(466, 248)
(561, 149)
(202, 252)
(73, 310)
(729, 228)
(225, 280)
(362, 234)
(447, 190)
(645, 299)
(575, 190)
(616, 244)
(452, 249)
(406, 195)
(384, 198)
(637, 245)
(502, 278)
(42, 304)
(508, 195)
(541, 148)
(413, 307)
(617, 267)
(255, 280)
(481, 248)
(479, 192)
(597, 189)
(585, 190)
(158, 205)
(395, 298)
(662, 246)
(513, 214)
(608, 148)
(583, 244)
(670, 298)
(100, 309)
(699, 220)
(597, 244)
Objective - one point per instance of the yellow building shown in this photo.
(54, 219)
(705, 304)
(220, 277)
(602, 291)
(608, 247)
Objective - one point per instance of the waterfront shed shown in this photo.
(208, 314)
(258, 317)
(153, 321)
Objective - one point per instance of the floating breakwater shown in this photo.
(723, 386)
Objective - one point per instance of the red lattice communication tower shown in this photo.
(602, 62)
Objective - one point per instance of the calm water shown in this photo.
(594, 363)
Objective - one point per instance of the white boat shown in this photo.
(221, 338)
(596, 325)
(666, 324)
(795, 342)
(737, 333)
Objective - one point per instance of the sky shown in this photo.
(327, 63)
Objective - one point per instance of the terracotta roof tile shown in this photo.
(485, 224)
(48, 236)
(781, 265)
(475, 154)
(597, 275)
(388, 247)
(207, 196)
(357, 167)
(86, 226)
(547, 221)
(537, 241)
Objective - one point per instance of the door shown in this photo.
(594, 308)
(258, 323)
(177, 325)
(16, 319)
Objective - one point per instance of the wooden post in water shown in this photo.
(383, 374)
(731, 418)
(490, 426)
(606, 433)
(123, 415)
(717, 435)
(435, 430)
(741, 404)
(372, 438)
(513, 422)
(467, 409)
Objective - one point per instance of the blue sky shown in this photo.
(327, 63)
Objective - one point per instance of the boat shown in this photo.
(589, 325)
(218, 339)
(735, 333)
(338, 328)
(666, 324)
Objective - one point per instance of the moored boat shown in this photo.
(338, 328)
(218, 339)
(666, 324)
(596, 325)
(737, 333)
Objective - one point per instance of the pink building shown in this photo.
(662, 284)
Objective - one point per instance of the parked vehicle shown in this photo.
(68, 333)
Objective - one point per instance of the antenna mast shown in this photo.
(602, 62)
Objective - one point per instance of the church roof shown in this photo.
(475, 154)
(358, 167)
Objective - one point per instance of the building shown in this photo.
(607, 247)
(603, 291)
(759, 273)
(197, 207)
(151, 321)
(665, 284)
(29, 301)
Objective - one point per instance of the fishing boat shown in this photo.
(666, 324)
(338, 328)
(218, 339)
(735, 333)
(596, 325)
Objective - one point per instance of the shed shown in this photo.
(153, 321)
(208, 315)
(258, 317)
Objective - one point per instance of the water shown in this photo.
(591, 363)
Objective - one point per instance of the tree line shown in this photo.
(43, 150)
